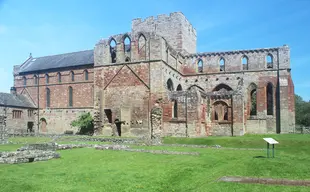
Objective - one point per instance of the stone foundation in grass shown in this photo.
(267, 181)
(27, 156)
(149, 151)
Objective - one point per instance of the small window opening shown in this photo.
(113, 51)
(245, 63)
(200, 66)
(222, 64)
(269, 59)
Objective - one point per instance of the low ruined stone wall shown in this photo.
(27, 156)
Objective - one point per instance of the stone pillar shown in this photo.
(156, 124)
(97, 114)
(3, 130)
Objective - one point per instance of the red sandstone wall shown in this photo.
(59, 97)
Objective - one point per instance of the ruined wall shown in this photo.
(124, 91)
(259, 75)
(175, 28)
(18, 118)
(57, 121)
(237, 61)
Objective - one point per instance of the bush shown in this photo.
(85, 124)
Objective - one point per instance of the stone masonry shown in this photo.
(201, 94)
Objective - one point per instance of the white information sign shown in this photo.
(271, 141)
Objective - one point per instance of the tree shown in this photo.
(84, 123)
(302, 111)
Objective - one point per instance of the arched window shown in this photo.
(47, 80)
(59, 77)
(70, 97)
(200, 66)
(179, 87)
(269, 60)
(222, 64)
(113, 50)
(142, 47)
(175, 109)
(252, 99)
(220, 111)
(86, 75)
(72, 76)
(24, 81)
(127, 44)
(244, 61)
(35, 79)
(48, 97)
(269, 96)
(222, 87)
(170, 85)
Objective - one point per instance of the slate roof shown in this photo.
(73, 59)
(7, 99)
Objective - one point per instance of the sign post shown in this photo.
(270, 141)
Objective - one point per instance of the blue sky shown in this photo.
(52, 27)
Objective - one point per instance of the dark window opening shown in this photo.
(17, 114)
(200, 66)
(226, 116)
(70, 97)
(59, 77)
(179, 87)
(253, 110)
(35, 80)
(30, 127)
(170, 85)
(216, 116)
(72, 76)
(48, 97)
(30, 113)
(113, 51)
(25, 81)
(47, 79)
(175, 109)
(222, 64)
(108, 113)
(86, 75)
(269, 95)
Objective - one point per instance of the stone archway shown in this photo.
(43, 127)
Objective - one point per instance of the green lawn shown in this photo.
(99, 170)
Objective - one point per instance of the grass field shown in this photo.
(97, 170)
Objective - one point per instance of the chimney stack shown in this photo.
(13, 90)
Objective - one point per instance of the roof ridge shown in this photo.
(63, 53)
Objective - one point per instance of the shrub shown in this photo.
(84, 123)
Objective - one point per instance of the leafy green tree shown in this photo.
(85, 123)
(302, 111)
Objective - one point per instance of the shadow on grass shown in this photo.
(259, 157)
